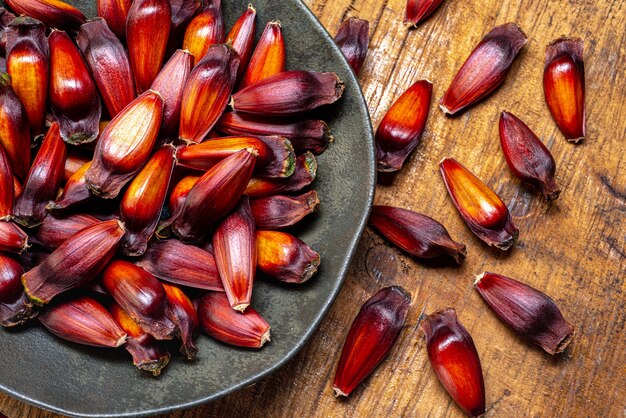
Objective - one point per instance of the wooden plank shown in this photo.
(574, 249)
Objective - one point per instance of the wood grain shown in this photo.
(573, 249)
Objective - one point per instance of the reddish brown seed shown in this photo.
(212, 197)
(73, 94)
(206, 29)
(73, 162)
(12, 238)
(234, 243)
(180, 310)
(43, 181)
(373, 333)
(55, 229)
(142, 202)
(526, 155)
(14, 309)
(564, 86)
(418, 10)
(75, 263)
(7, 192)
(180, 191)
(400, 130)
(109, 64)
(53, 13)
(148, 354)
(268, 58)
(241, 37)
(6, 17)
(115, 13)
(453, 356)
(276, 212)
(206, 94)
(353, 39)
(417, 234)
(304, 174)
(183, 264)
(276, 157)
(306, 135)
(14, 131)
(83, 320)
(147, 30)
(289, 93)
(141, 295)
(526, 310)
(241, 329)
(28, 62)
(10, 285)
(258, 187)
(170, 84)
(125, 145)
(285, 257)
(485, 69)
(75, 191)
(481, 208)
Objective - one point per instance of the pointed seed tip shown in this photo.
(265, 337)
(339, 392)
(121, 341)
(241, 307)
(155, 92)
(444, 109)
(479, 277)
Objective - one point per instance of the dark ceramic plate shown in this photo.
(78, 381)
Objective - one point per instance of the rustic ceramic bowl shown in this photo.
(80, 381)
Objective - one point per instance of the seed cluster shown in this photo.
(526, 310)
(138, 221)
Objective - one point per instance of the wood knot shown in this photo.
(381, 263)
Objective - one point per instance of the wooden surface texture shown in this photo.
(574, 249)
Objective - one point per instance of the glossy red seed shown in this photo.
(147, 31)
(454, 358)
(305, 135)
(241, 37)
(372, 335)
(268, 58)
(43, 181)
(289, 93)
(83, 320)
(241, 329)
(109, 65)
(28, 64)
(417, 234)
(183, 264)
(485, 69)
(141, 295)
(353, 39)
(234, 244)
(418, 10)
(526, 155)
(480, 207)
(401, 128)
(529, 312)
(564, 86)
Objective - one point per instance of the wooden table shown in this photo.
(573, 249)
